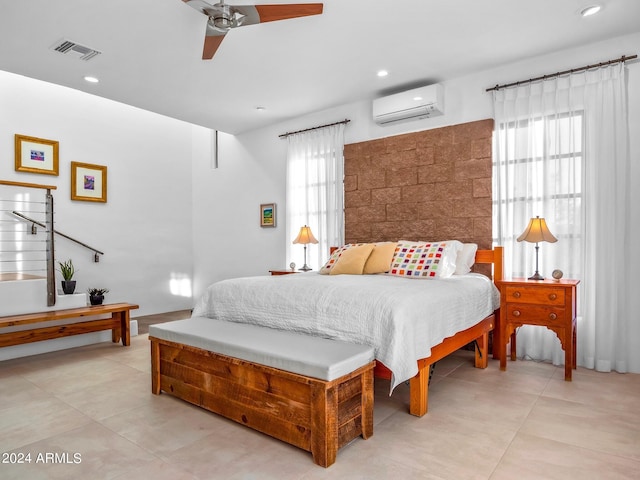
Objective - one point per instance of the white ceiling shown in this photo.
(151, 50)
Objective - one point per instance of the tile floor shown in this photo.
(93, 407)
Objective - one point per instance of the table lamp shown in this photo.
(537, 231)
(305, 237)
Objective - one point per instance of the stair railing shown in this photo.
(33, 223)
(49, 250)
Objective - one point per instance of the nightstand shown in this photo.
(548, 303)
(282, 272)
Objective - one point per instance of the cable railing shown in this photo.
(21, 256)
(27, 252)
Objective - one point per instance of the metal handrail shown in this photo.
(35, 222)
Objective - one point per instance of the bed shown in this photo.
(395, 315)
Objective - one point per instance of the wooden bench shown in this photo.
(118, 324)
(267, 379)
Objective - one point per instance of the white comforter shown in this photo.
(401, 318)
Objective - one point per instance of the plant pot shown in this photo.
(68, 286)
(96, 299)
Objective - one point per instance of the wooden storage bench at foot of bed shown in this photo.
(230, 369)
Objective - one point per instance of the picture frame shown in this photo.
(36, 155)
(268, 215)
(88, 182)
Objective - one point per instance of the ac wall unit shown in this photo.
(418, 103)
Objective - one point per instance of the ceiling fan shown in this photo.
(223, 18)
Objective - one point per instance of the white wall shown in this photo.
(252, 166)
(145, 227)
(228, 239)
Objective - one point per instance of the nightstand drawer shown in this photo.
(535, 314)
(535, 294)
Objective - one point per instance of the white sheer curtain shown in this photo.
(561, 152)
(315, 176)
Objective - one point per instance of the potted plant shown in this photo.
(96, 295)
(67, 270)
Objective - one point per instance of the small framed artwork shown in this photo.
(36, 155)
(88, 182)
(268, 215)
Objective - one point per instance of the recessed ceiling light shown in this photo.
(382, 73)
(590, 10)
(261, 109)
(417, 99)
(91, 79)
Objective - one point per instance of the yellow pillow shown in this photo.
(380, 259)
(352, 260)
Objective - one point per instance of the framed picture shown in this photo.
(88, 182)
(268, 215)
(36, 155)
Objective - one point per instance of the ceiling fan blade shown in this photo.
(222, 18)
(211, 44)
(272, 13)
(199, 5)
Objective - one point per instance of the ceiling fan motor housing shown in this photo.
(224, 18)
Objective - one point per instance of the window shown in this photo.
(315, 191)
(538, 167)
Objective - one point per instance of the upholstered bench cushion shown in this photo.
(316, 357)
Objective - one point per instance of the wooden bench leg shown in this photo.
(419, 391)
(367, 404)
(115, 332)
(124, 329)
(155, 368)
(324, 424)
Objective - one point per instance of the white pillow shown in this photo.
(466, 258)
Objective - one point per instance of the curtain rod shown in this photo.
(622, 59)
(284, 135)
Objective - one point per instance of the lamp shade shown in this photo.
(537, 231)
(305, 236)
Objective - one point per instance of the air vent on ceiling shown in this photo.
(74, 49)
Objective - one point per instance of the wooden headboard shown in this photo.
(493, 257)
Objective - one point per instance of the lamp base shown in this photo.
(536, 276)
(305, 268)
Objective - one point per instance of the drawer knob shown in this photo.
(552, 296)
(516, 313)
(516, 294)
(553, 316)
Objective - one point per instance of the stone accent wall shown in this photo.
(431, 185)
